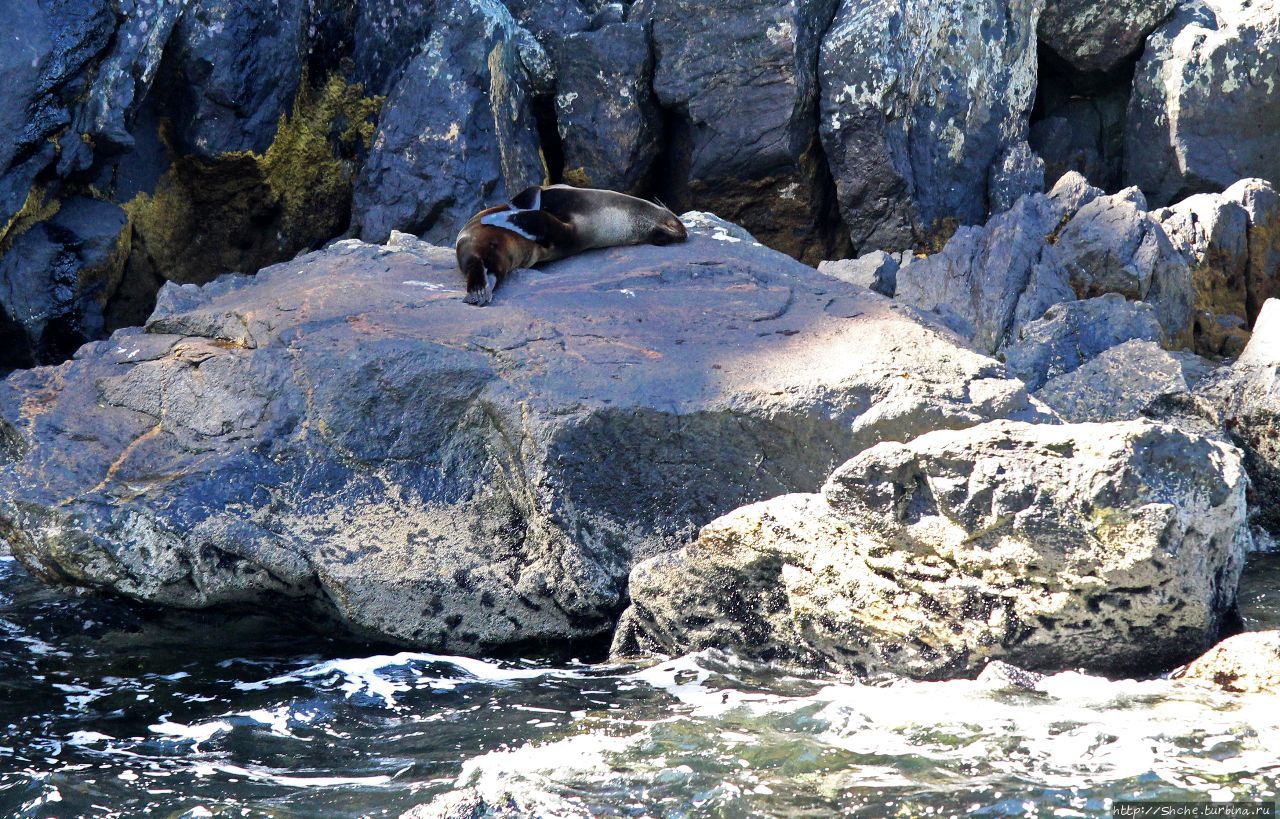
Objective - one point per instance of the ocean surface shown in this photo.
(111, 709)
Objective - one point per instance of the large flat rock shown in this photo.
(342, 432)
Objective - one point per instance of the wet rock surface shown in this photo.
(342, 433)
(1110, 547)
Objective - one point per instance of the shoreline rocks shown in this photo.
(1111, 547)
(343, 432)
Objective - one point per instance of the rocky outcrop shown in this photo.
(1245, 396)
(342, 433)
(988, 283)
(1123, 381)
(739, 82)
(1098, 36)
(1112, 245)
(919, 102)
(1203, 112)
(1248, 662)
(80, 248)
(1112, 547)
(239, 63)
(1232, 241)
(458, 133)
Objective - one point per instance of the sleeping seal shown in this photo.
(542, 224)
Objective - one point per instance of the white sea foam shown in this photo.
(359, 675)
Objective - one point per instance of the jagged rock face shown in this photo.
(1073, 332)
(1245, 662)
(990, 281)
(1204, 110)
(46, 49)
(1122, 381)
(458, 133)
(739, 81)
(1098, 35)
(343, 432)
(384, 36)
(919, 101)
(610, 125)
(238, 63)
(1244, 395)
(1113, 547)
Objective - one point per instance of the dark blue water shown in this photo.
(112, 709)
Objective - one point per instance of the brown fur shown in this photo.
(574, 222)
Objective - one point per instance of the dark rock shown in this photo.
(1078, 124)
(1115, 548)
(458, 133)
(610, 126)
(1204, 111)
(122, 79)
(739, 83)
(1073, 332)
(234, 68)
(385, 36)
(46, 47)
(57, 277)
(1097, 35)
(440, 475)
(550, 20)
(920, 101)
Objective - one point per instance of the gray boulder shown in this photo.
(458, 133)
(1112, 245)
(1098, 35)
(342, 435)
(1204, 110)
(738, 82)
(1123, 381)
(385, 34)
(1111, 547)
(610, 125)
(920, 103)
(876, 271)
(1071, 333)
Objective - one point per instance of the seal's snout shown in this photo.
(669, 231)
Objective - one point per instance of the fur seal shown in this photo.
(542, 224)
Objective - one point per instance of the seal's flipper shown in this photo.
(534, 225)
(528, 199)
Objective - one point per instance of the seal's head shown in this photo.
(664, 227)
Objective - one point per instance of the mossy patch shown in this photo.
(38, 207)
(243, 211)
